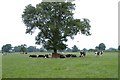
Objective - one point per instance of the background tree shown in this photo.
(102, 46)
(42, 49)
(68, 50)
(96, 48)
(17, 48)
(31, 49)
(75, 48)
(6, 48)
(91, 50)
(37, 50)
(84, 49)
(119, 47)
(112, 49)
(23, 48)
(55, 23)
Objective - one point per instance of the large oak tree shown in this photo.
(55, 22)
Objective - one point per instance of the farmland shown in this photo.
(17, 65)
(0, 66)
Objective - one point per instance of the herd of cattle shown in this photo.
(57, 55)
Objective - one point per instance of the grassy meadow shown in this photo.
(17, 65)
(0, 66)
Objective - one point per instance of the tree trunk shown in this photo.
(55, 54)
(55, 50)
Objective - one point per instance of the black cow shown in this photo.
(73, 55)
(62, 56)
(82, 54)
(101, 52)
(68, 55)
(33, 56)
(43, 56)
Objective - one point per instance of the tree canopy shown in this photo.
(17, 49)
(31, 49)
(119, 47)
(75, 48)
(6, 48)
(101, 46)
(23, 48)
(55, 22)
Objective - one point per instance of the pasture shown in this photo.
(17, 65)
(0, 66)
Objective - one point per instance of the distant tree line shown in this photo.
(20, 48)
(7, 48)
(23, 48)
(119, 47)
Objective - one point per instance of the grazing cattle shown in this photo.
(73, 55)
(33, 56)
(98, 53)
(43, 56)
(46, 56)
(82, 54)
(68, 55)
(62, 56)
(101, 52)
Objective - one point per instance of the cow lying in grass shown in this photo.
(73, 55)
(70, 55)
(82, 54)
(98, 53)
(40, 56)
(53, 56)
(62, 56)
(33, 56)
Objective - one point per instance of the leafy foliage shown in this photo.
(23, 48)
(119, 47)
(17, 48)
(68, 50)
(75, 48)
(31, 49)
(111, 49)
(55, 23)
(101, 46)
(6, 48)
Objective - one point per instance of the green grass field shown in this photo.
(91, 66)
(0, 66)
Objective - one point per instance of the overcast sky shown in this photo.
(103, 15)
